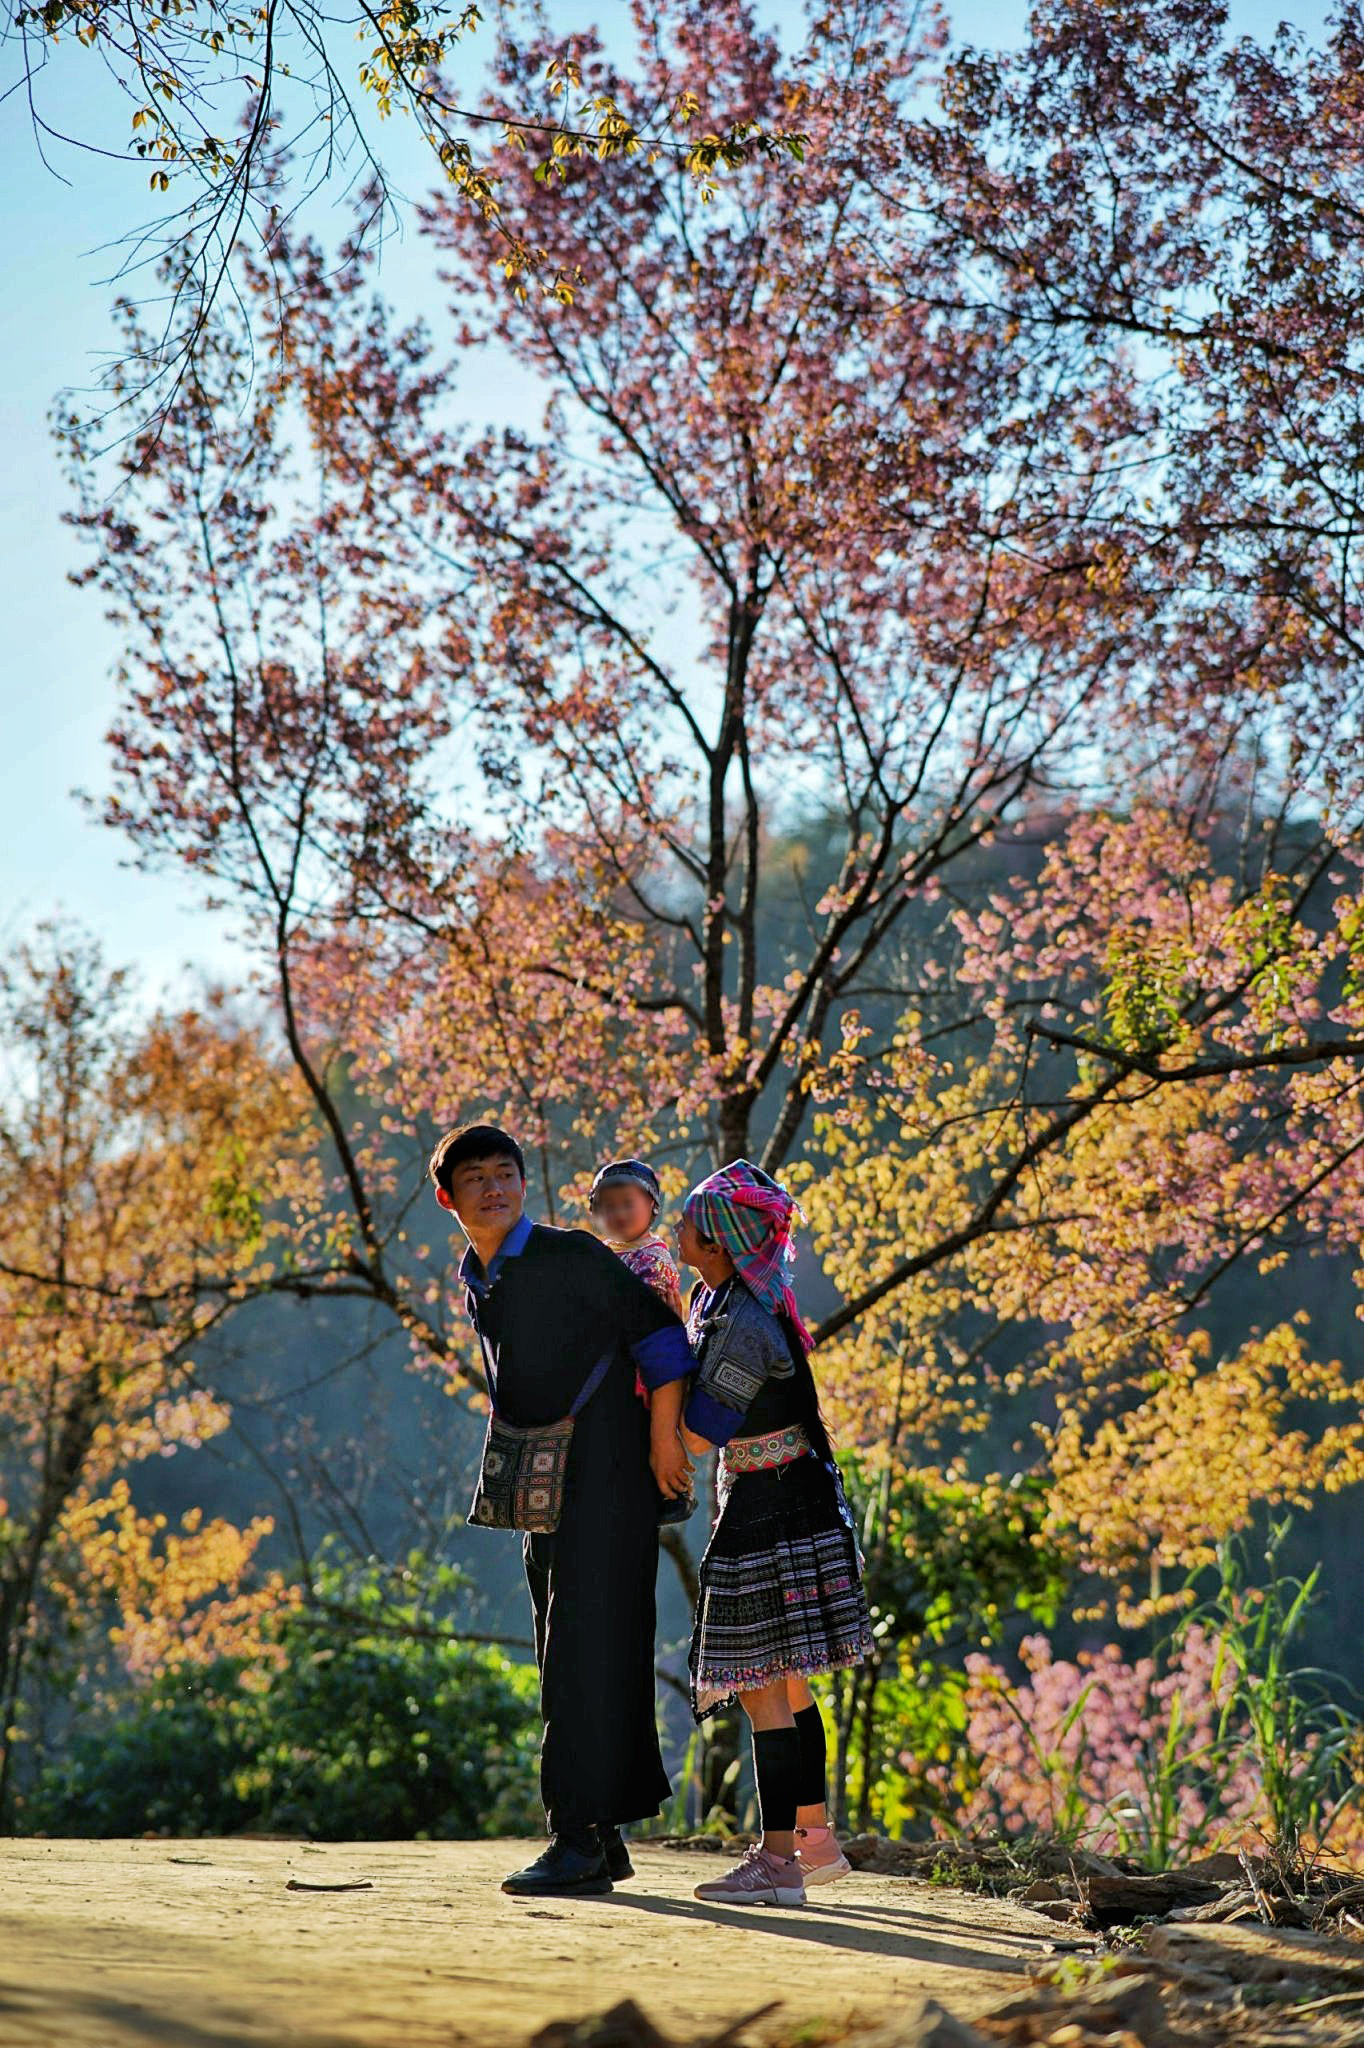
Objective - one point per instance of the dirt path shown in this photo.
(191, 1944)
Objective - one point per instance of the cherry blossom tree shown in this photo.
(601, 930)
(238, 113)
(1182, 209)
(897, 717)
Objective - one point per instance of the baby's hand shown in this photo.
(670, 1465)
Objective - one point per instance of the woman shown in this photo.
(780, 1584)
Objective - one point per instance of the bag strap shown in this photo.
(485, 1354)
(585, 1392)
(592, 1382)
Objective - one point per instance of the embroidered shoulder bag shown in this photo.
(522, 1475)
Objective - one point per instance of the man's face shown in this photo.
(486, 1195)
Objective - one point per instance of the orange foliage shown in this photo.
(147, 1166)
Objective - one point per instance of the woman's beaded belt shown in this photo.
(761, 1453)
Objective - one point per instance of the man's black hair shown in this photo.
(473, 1141)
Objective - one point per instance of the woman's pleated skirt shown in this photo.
(780, 1587)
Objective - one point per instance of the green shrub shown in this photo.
(168, 1763)
(367, 1734)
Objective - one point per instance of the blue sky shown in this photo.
(56, 692)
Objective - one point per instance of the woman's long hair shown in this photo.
(811, 1415)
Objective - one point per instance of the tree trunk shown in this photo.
(733, 1127)
(16, 1611)
(845, 1692)
(13, 1621)
(673, 1543)
(871, 1678)
(721, 1766)
(59, 1481)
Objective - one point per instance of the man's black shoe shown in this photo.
(562, 1872)
(617, 1856)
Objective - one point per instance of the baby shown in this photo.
(625, 1199)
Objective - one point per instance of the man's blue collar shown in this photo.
(471, 1266)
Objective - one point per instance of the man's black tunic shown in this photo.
(558, 1300)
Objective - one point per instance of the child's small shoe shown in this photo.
(760, 1880)
(820, 1858)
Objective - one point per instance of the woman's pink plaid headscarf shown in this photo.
(750, 1214)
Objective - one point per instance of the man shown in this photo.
(548, 1304)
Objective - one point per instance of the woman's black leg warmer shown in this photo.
(811, 1785)
(776, 1764)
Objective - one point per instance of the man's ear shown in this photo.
(443, 1198)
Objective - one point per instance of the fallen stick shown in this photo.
(351, 1884)
(1335, 1902)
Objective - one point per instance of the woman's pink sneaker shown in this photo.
(760, 1880)
(820, 1858)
